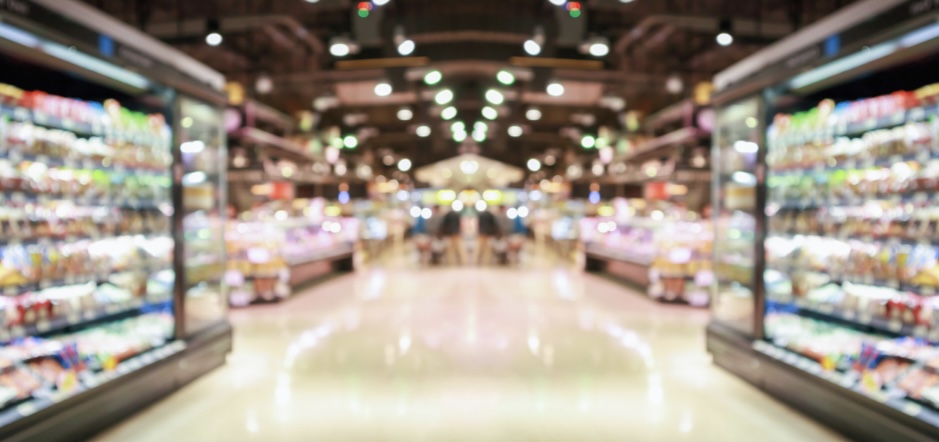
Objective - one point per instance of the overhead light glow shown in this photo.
(339, 49)
(505, 77)
(558, 2)
(415, 211)
(523, 211)
(495, 97)
(405, 114)
(481, 206)
(448, 113)
(380, 2)
(512, 213)
(459, 137)
(588, 142)
(213, 39)
(533, 114)
(599, 49)
(478, 136)
(383, 89)
(350, 141)
(406, 47)
(481, 126)
(426, 213)
(532, 47)
(433, 77)
(490, 113)
(515, 131)
(423, 131)
(725, 39)
(457, 205)
(404, 165)
(458, 126)
(555, 89)
(746, 147)
(534, 165)
(443, 97)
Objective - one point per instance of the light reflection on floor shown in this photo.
(469, 355)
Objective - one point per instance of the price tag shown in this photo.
(18, 197)
(73, 317)
(927, 291)
(17, 331)
(923, 156)
(895, 325)
(912, 408)
(21, 114)
(850, 315)
(111, 309)
(868, 279)
(893, 283)
(44, 284)
(920, 331)
(917, 114)
(40, 118)
(867, 163)
(43, 326)
(15, 156)
(826, 309)
(864, 317)
(4, 335)
(68, 124)
(895, 159)
(897, 118)
(89, 315)
(850, 163)
(11, 291)
(42, 159)
(26, 409)
(920, 197)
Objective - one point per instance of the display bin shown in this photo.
(105, 134)
(825, 251)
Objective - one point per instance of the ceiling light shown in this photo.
(674, 85)
(213, 38)
(383, 89)
(423, 131)
(404, 165)
(555, 89)
(725, 36)
(380, 2)
(490, 113)
(350, 141)
(588, 142)
(495, 97)
(532, 47)
(457, 205)
(534, 165)
(533, 114)
(443, 97)
(406, 47)
(388, 160)
(599, 49)
(479, 136)
(515, 131)
(342, 46)
(505, 77)
(405, 114)
(725, 39)
(459, 137)
(458, 126)
(558, 2)
(481, 126)
(433, 77)
(264, 84)
(550, 160)
(448, 113)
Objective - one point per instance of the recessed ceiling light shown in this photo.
(490, 113)
(495, 97)
(423, 131)
(406, 47)
(515, 131)
(383, 89)
(459, 137)
(448, 113)
(458, 126)
(725, 39)
(214, 39)
(505, 77)
(350, 141)
(534, 165)
(555, 89)
(599, 49)
(404, 165)
(443, 97)
(532, 47)
(405, 114)
(481, 126)
(433, 77)
(533, 114)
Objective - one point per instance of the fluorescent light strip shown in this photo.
(96, 65)
(843, 65)
(920, 35)
(17, 35)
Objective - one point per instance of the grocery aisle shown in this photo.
(469, 354)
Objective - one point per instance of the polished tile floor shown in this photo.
(471, 354)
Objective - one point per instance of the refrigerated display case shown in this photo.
(90, 296)
(843, 322)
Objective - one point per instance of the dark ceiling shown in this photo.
(469, 41)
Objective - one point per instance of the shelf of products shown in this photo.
(669, 245)
(851, 252)
(268, 246)
(85, 246)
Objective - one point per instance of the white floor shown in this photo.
(543, 354)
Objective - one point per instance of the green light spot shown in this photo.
(364, 13)
(575, 13)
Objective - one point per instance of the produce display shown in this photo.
(265, 243)
(851, 252)
(85, 242)
(674, 243)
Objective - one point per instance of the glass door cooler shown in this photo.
(844, 140)
(90, 204)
